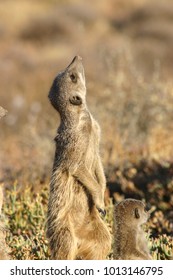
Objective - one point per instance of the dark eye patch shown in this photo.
(73, 77)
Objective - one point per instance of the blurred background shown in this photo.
(127, 51)
(126, 48)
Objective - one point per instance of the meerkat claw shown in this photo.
(102, 211)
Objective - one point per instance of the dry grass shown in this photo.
(26, 213)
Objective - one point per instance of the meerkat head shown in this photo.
(131, 212)
(68, 90)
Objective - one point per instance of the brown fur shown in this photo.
(75, 228)
(4, 250)
(129, 238)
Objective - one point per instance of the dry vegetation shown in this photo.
(127, 53)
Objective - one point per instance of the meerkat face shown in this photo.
(68, 89)
(140, 214)
(131, 212)
(76, 79)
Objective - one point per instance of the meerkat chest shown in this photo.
(93, 145)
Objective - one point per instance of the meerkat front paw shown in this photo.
(101, 207)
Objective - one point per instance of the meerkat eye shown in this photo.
(73, 77)
(137, 215)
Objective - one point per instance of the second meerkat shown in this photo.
(129, 238)
(74, 226)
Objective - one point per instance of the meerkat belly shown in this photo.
(69, 197)
(80, 208)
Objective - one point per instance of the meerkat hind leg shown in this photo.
(97, 242)
(65, 248)
(91, 250)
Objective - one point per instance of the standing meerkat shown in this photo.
(129, 238)
(75, 228)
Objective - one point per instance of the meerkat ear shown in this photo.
(137, 215)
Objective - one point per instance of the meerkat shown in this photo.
(4, 250)
(75, 228)
(129, 238)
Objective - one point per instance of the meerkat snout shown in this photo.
(77, 76)
(76, 70)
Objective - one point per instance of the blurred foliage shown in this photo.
(26, 214)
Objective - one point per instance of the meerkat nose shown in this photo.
(77, 58)
(76, 63)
